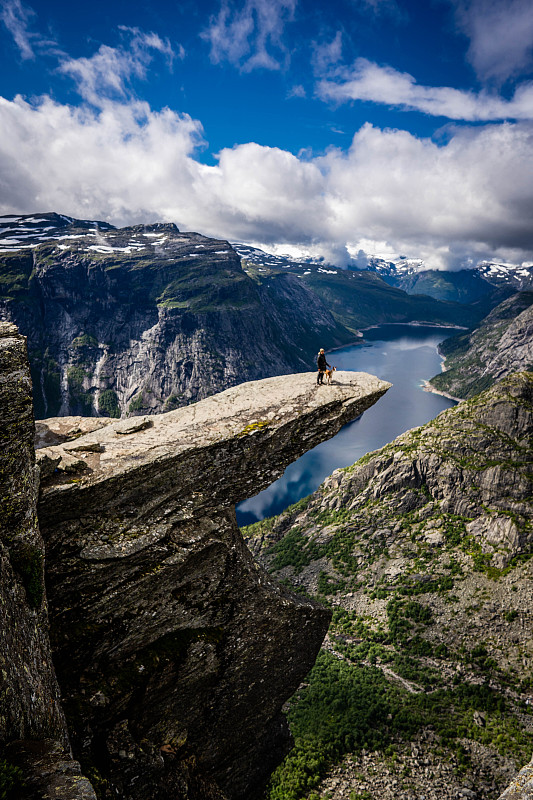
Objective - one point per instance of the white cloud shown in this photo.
(469, 199)
(379, 8)
(17, 18)
(297, 91)
(325, 56)
(372, 82)
(109, 71)
(501, 36)
(250, 37)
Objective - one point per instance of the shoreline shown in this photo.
(419, 324)
(416, 324)
(348, 344)
(427, 387)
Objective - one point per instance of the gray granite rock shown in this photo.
(30, 708)
(173, 647)
(522, 786)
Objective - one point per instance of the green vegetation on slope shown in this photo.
(463, 286)
(360, 299)
(345, 707)
(428, 614)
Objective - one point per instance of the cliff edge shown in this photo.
(174, 650)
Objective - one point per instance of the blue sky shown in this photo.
(339, 128)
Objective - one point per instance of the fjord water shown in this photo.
(405, 355)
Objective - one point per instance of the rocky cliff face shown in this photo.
(174, 650)
(463, 286)
(423, 549)
(147, 319)
(34, 744)
(521, 787)
(501, 345)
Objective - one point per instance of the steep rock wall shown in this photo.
(146, 319)
(34, 745)
(501, 345)
(424, 549)
(175, 651)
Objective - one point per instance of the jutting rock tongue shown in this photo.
(175, 651)
(34, 747)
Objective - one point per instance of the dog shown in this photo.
(329, 374)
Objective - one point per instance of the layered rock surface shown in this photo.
(174, 650)
(32, 724)
(424, 550)
(522, 786)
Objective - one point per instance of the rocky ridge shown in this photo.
(359, 298)
(412, 275)
(521, 787)
(422, 549)
(144, 319)
(174, 651)
(501, 345)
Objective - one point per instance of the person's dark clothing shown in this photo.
(322, 365)
(321, 362)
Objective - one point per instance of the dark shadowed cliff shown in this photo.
(34, 743)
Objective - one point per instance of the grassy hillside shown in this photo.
(422, 549)
(360, 299)
(463, 286)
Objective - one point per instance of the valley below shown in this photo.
(422, 551)
(371, 641)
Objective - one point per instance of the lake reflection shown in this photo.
(405, 355)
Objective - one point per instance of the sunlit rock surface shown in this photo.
(175, 651)
(522, 786)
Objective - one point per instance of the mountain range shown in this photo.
(411, 274)
(147, 318)
(174, 650)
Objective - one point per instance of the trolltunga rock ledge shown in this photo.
(174, 650)
(256, 412)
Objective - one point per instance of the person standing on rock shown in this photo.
(322, 365)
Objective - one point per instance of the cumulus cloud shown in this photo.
(297, 91)
(451, 204)
(250, 37)
(110, 70)
(372, 82)
(501, 36)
